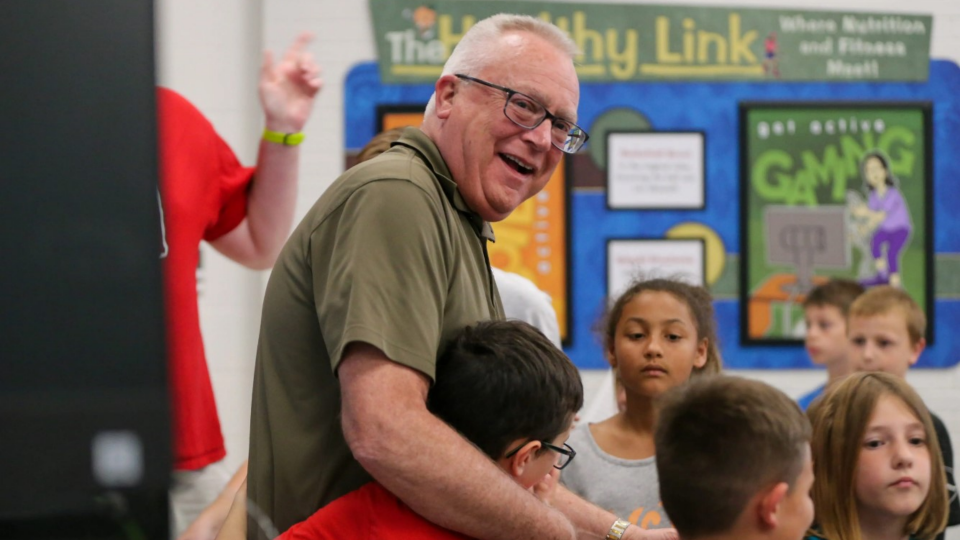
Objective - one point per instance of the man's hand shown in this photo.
(545, 487)
(636, 533)
(287, 88)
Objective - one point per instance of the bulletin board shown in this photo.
(712, 108)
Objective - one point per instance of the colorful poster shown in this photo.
(649, 42)
(831, 190)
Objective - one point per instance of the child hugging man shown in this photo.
(507, 389)
(825, 313)
(733, 457)
(886, 328)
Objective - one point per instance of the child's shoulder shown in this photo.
(591, 433)
(581, 435)
(808, 398)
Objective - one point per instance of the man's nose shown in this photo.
(541, 136)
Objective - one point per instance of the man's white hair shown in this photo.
(476, 48)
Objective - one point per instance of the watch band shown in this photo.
(617, 529)
(286, 139)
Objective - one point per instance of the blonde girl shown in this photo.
(879, 472)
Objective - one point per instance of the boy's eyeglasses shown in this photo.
(528, 113)
(565, 454)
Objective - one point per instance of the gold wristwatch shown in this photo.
(617, 529)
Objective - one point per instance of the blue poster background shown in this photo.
(712, 108)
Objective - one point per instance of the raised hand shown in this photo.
(288, 88)
(544, 488)
(636, 533)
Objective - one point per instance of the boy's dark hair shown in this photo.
(839, 293)
(499, 381)
(720, 440)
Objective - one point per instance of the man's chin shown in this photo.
(494, 217)
(500, 210)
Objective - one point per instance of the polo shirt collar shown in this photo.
(418, 141)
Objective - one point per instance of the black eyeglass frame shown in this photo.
(547, 115)
(566, 450)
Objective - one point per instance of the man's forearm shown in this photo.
(449, 482)
(592, 522)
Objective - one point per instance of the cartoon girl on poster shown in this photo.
(886, 216)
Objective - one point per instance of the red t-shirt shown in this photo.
(370, 512)
(203, 189)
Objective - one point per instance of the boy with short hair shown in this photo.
(825, 312)
(507, 389)
(733, 457)
(886, 328)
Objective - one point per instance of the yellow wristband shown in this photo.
(287, 139)
(617, 529)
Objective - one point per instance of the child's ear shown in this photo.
(703, 348)
(611, 358)
(769, 505)
(918, 348)
(519, 461)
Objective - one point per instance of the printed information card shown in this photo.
(655, 170)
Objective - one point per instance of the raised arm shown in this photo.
(287, 91)
(427, 464)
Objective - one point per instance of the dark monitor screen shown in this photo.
(83, 400)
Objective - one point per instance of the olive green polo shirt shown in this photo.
(390, 255)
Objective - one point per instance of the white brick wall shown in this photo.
(210, 52)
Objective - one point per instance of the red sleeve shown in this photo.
(234, 180)
(204, 164)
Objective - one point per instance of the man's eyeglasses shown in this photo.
(565, 454)
(528, 113)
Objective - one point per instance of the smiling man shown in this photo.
(387, 266)
(502, 126)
